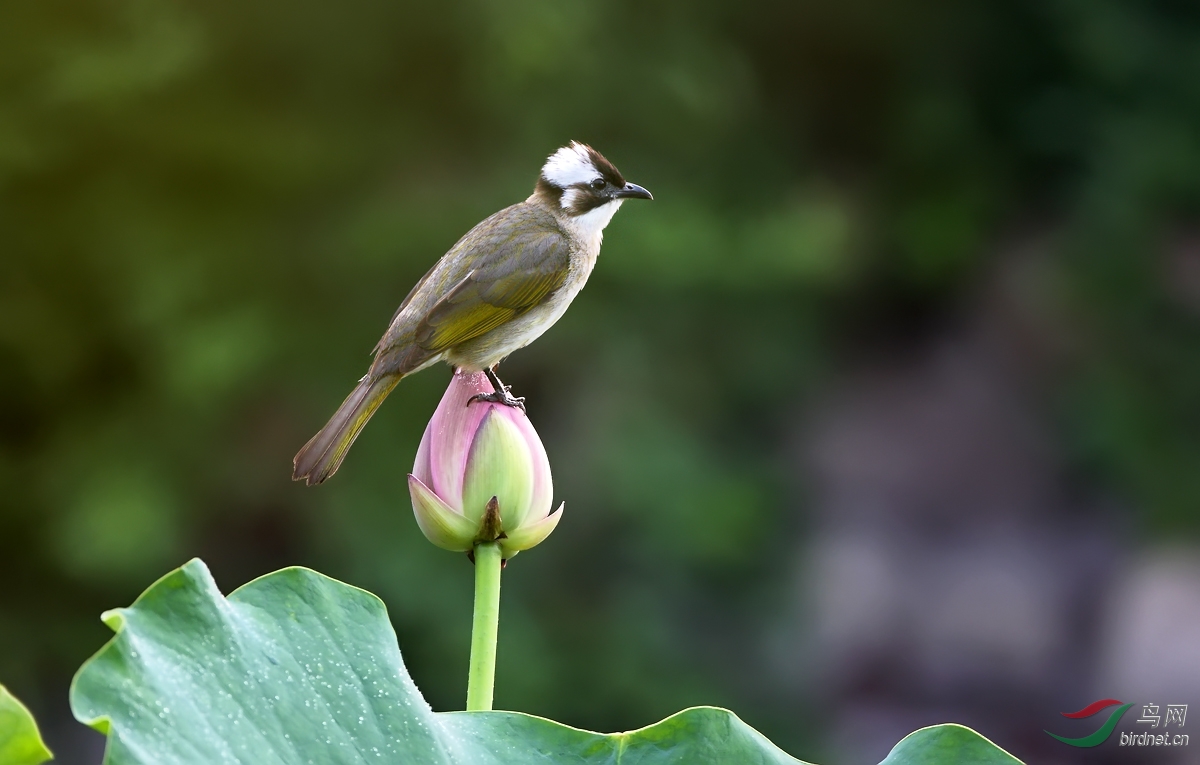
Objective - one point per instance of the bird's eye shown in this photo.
(597, 184)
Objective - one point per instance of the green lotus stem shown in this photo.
(484, 628)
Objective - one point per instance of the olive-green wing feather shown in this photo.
(504, 266)
(520, 273)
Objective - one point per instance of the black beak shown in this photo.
(632, 191)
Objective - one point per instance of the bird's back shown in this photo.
(512, 248)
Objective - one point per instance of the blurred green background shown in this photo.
(208, 212)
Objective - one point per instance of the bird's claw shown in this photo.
(501, 396)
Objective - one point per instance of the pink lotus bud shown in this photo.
(472, 453)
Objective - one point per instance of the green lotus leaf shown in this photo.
(301, 669)
(20, 742)
(948, 743)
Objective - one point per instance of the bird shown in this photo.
(503, 284)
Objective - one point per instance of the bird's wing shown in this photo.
(516, 273)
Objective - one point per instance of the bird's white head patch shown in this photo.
(570, 165)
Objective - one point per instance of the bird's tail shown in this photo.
(323, 454)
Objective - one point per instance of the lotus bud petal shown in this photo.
(499, 466)
(438, 521)
(471, 453)
(530, 534)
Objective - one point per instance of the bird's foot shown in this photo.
(501, 396)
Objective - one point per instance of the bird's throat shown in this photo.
(588, 228)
